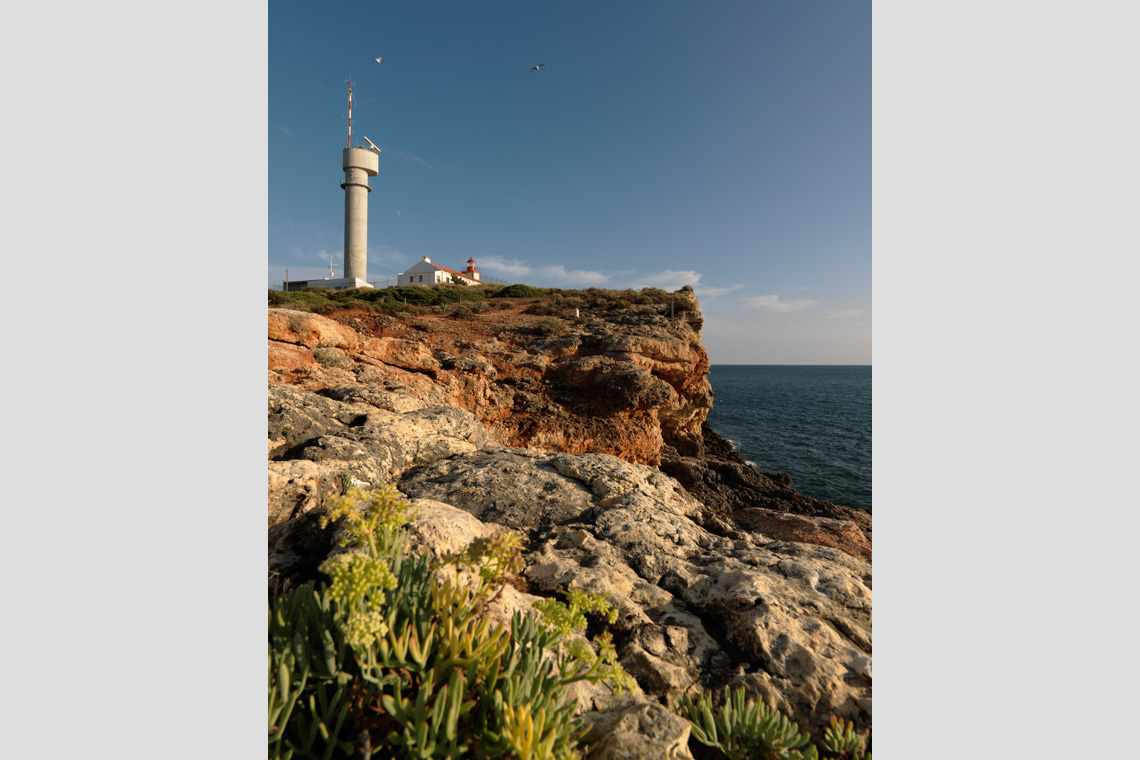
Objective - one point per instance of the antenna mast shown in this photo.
(350, 83)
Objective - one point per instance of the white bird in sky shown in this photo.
(539, 66)
(372, 144)
(378, 59)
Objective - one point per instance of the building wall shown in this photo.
(336, 283)
(436, 275)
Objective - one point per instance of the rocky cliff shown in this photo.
(589, 439)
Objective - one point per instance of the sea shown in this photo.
(812, 422)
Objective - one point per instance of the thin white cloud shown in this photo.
(413, 159)
(548, 276)
(560, 276)
(704, 291)
(283, 129)
(773, 303)
(499, 264)
(672, 279)
(390, 258)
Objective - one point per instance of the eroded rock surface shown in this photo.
(620, 383)
(720, 574)
(321, 443)
(695, 610)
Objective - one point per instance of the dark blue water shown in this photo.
(813, 422)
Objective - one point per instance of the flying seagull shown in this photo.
(372, 144)
(539, 66)
(378, 59)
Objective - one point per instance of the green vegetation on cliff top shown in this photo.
(418, 299)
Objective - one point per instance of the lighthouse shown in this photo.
(472, 272)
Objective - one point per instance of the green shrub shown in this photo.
(518, 290)
(371, 295)
(434, 295)
(311, 296)
(549, 326)
(329, 358)
(544, 308)
(398, 658)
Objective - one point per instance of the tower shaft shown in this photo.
(359, 164)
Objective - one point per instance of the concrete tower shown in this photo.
(359, 164)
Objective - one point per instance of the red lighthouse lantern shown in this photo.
(472, 272)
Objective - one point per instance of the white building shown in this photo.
(427, 273)
(336, 283)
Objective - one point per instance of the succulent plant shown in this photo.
(840, 739)
(397, 658)
(743, 729)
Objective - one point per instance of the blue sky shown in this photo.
(724, 145)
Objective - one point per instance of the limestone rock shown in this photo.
(720, 575)
(405, 354)
(844, 535)
(286, 357)
(297, 547)
(696, 608)
(510, 487)
(631, 729)
(309, 330)
(727, 485)
(441, 529)
(296, 416)
(297, 486)
(623, 383)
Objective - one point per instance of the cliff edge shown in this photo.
(585, 433)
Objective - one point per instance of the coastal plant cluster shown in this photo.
(740, 729)
(397, 657)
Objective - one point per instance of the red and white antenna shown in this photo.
(350, 83)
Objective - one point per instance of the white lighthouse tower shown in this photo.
(359, 164)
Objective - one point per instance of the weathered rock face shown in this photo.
(720, 574)
(318, 443)
(626, 384)
(727, 485)
(695, 610)
(309, 330)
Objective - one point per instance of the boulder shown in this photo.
(286, 357)
(309, 330)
